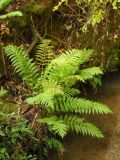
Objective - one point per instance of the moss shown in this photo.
(8, 107)
(21, 22)
(37, 7)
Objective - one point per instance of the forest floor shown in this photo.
(86, 148)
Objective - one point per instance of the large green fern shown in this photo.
(54, 90)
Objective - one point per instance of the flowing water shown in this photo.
(86, 148)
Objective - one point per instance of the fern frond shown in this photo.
(96, 81)
(80, 105)
(22, 64)
(50, 90)
(71, 91)
(89, 73)
(77, 124)
(53, 143)
(4, 3)
(44, 53)
(71, 80)
(53, 87)
(45, 99)
(11, 14)
(83, 75)
(66, 64)
(55, 124)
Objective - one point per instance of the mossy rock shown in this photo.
(20, 22)
(8, 107)
(37, 7)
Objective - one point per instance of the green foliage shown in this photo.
(55, 92)
(67, 65)
(79, 105)
(78, 124)
(23, 65)
(15, 134)
(92, 10)
(55, 125)
(59, 4)
(2, 92)
(37, 7)
(4, 3)
(44, 53)
(10, 15)
(52, 143)
(18, 139)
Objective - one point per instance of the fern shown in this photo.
(80, 105)
(50, 89)
(67, 64)
(54, 92)
(78, 124)
(45, 99)
(52, 143)
(11, 14)
(96, 81)
(4, 3)
(56, 125)
(71, 91)
(90, 73)
(83, 75)
(44, 53)
(53, 87)
(22, 64)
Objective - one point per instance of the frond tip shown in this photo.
(44, 53)
(80, 105)
(78, 124)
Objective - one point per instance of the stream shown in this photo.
(78, 147)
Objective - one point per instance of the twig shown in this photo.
(37, 37)
(36, 115)
(33, 44)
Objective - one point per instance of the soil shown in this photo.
(86, 148)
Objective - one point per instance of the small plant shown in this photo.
(2, 93)
(3, 5)
(54, 92)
